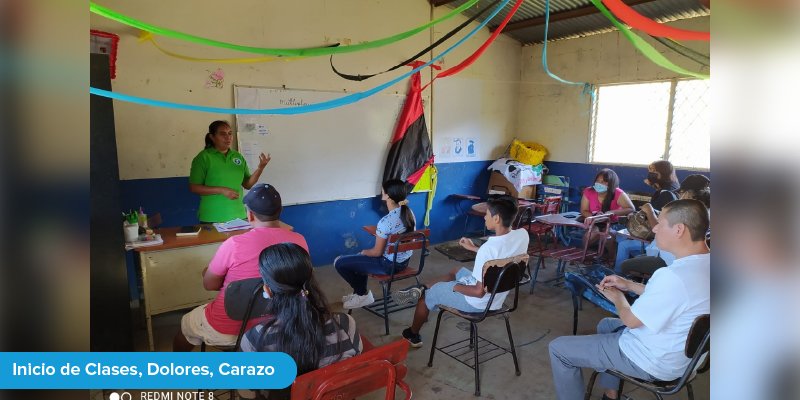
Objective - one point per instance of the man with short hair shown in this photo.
(236, 259)
(647, 340)
(463, 289)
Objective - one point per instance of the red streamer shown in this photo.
(631, 17)
(478, 53)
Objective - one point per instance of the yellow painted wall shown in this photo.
(158, 143)
(555, 114)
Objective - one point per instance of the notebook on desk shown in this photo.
(189, 230)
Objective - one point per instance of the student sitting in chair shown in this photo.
(463, 289)
(236, 259)
(647, 340)
(355, 268)
(303, 327)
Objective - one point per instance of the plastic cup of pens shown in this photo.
(130, 226)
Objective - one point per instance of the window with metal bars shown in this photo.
(636, 124)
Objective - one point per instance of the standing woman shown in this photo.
(218, 174)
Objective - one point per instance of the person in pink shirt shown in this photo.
(236, 259)
(605, 196)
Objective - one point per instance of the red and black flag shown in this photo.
(411, 151)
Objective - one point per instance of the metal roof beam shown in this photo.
(437, 3)
(559, 16)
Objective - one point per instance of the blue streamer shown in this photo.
(588, 88)
(325, 105)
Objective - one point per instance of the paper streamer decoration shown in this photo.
(349, 99)
(478, 53)
(631, 17)
(421, 52)
(148, 37)
(587, 87)
(687, 52)
(305, 52)
(645, 48)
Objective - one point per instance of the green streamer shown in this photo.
(645, 48)
(305, 52)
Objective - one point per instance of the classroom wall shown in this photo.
(558, 115)
(156, 145)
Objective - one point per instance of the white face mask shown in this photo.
(265, 294)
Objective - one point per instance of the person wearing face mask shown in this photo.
(660, 176)
(236, 259)
(605, 196)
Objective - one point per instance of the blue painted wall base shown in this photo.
(334, 228)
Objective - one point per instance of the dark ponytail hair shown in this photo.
(397, 190)
(297, 303)
(212, 130)
(612, 180)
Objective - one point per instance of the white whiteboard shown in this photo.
(335, 154)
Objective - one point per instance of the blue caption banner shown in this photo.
(216, 370)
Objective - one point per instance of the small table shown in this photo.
(558, 221)
(172, 272)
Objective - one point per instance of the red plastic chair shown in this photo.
(596, 226)
(551, 205)
(376, 368)
(398, 243)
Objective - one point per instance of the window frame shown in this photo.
(670, 112)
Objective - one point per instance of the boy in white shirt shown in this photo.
(463, 289)
(647, 340)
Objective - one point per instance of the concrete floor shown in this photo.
(540, 318)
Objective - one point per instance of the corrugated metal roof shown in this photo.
(659, 10)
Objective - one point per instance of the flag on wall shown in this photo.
(411, 152)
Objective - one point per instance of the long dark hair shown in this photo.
(612, 180)
(212, 130)
(397, 190)
(297, 303)
(667, 179)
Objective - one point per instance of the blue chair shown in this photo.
(582, 286)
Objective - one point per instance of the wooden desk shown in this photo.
(172, 272)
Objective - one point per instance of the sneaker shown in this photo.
(359, 301)
(525, 278)
(347, 297)
(414, 340)
(407, 296)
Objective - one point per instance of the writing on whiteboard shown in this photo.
(293, 102)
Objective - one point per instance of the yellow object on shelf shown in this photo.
(530, 153)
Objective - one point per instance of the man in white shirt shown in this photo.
(463, 289)
(647, 340)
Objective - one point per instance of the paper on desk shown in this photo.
(233, 225)
(144, 243)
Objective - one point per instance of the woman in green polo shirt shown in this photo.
(218, 175)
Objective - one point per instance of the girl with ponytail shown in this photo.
(303, 326)
(355, 268)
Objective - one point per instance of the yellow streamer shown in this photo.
(149, 37)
